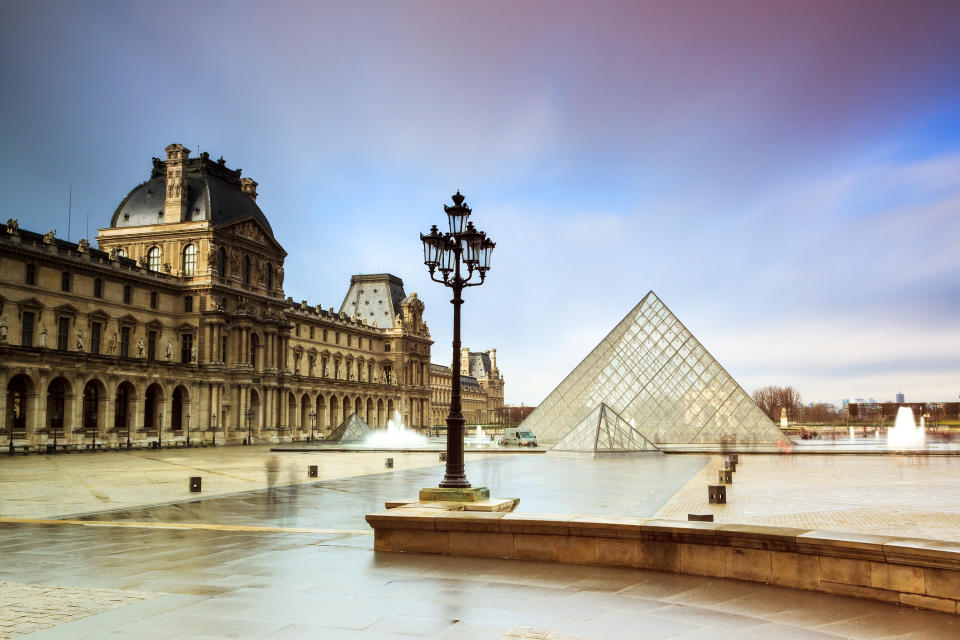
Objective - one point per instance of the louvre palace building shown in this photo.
(177, 328)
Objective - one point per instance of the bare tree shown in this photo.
(772, 399)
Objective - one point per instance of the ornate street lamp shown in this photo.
(463, 248)
(213, 427)
(248, 415)
(188, 430)
(160, 433)
(313, 424)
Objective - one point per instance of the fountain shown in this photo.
(479, 438)
(396, 435)
(905, 433)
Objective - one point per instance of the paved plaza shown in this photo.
(265, 552)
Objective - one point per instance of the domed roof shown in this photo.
(213, 193)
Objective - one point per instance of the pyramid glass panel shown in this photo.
(603, 431)
(652, 373)
(353, 429)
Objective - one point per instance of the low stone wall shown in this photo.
(918, 573)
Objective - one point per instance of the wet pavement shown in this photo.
(297, 562)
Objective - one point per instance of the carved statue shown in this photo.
(396, 382)
(166, 267)
(143, 261)
(112, 347)
(113, 253)
(13, 226)
(311, 362)
(79, 339)
(83, 246)
(261, 272)
(296, 363)
(235, 258)
(169, 353)
(3, 329)
(43, 335)
(193, 352)
(280, 275)
(212, 254)
(49, 236)
(139, 347)
(159, 168)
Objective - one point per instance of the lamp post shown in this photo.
(213, 427)
(313, 424)
(463, 247)
(188, 429)
(160, 432)
(248, 414)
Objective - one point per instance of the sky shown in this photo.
(784, 175)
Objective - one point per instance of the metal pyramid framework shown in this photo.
(603, 431)
(353, 429)
(655, 374)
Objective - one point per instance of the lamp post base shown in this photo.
(454, 494)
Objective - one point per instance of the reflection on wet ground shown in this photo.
(272, 583)
(615, 486)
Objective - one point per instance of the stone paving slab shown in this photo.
(28, 607)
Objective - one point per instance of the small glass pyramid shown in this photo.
(604, 431)
(353, 429)
(656, 375)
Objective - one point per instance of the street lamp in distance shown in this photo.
(213, 428)
(248, 414)
(188, 430)
(313, 424)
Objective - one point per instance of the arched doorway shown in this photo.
(94, 403)
(358, 407)
(379, 413)
(20, 391)
(123, 410)
(305, 412)
(59, 397)
(334, 407)
(321, 412)
(291, 411)
(254, 413)
(179, 409)
(390, 410)
(369, 417)
(153, 412)
(346, 407)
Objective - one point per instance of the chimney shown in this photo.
(175, 204)
(493, 360)
(464, 361)
(249, 188)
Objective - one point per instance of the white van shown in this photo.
(517, 436)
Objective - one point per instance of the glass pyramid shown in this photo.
(604, 431)
(656, 375)
(353, 429)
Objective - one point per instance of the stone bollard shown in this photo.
(443, 456)
(388, 463)
(734, 458)
(731, 465)
(194, 484)
(700, 517)
(312, 471)
(717, 494)
(726, 476)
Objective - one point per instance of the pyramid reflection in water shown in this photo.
(656, 375)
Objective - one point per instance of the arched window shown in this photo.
(269, 277)
(246, 269)
(190, 260)
(222, 262)
(153, 259)
(121, 253)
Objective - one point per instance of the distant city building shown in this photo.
(481, 389)
(900, 398)
(178, 326)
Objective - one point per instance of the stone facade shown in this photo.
(178, 327)
(481, 389)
